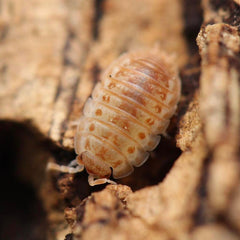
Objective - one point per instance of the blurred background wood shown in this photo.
(52, 53)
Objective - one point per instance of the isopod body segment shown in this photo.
(128, 110)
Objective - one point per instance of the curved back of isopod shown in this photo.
(129, 108)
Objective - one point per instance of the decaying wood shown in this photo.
(52, 54)
(219, 45)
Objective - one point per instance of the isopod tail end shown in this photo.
(95, 166)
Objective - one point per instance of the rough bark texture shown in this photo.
(52, 54)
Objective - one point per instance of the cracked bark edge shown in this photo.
(219, 45)
(212, 210)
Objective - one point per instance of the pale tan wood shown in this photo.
(52, 54)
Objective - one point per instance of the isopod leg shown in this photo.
(73, 167)
(99, 181)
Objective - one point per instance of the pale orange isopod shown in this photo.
(122, 120)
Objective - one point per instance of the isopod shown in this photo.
(123, 119)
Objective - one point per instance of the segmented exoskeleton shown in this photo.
(127, 111)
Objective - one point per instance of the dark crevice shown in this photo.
(22, 215)
(58, 91)
(75, 187)
(71, 101)
(227, 108)
(233, 57)
(193, 18)
(190, 77)
(66, 60)
(24, 153)
(95, 73)
(230, 7)
(80, 211)
(69, 237)
(222, 219)
(155, 168)
(202, 214)
(98, 15)
(4, 29)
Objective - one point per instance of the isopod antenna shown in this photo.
(72, 167)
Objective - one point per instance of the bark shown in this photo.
(52, 53)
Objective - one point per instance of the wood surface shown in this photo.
(52, 54)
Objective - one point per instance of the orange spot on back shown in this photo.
(161, 94)
(106, 98)
(91, 127)
(111, 85)
(98, 112)
(150, 121)
(158, 109)
(131, 149)
(141, 135)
